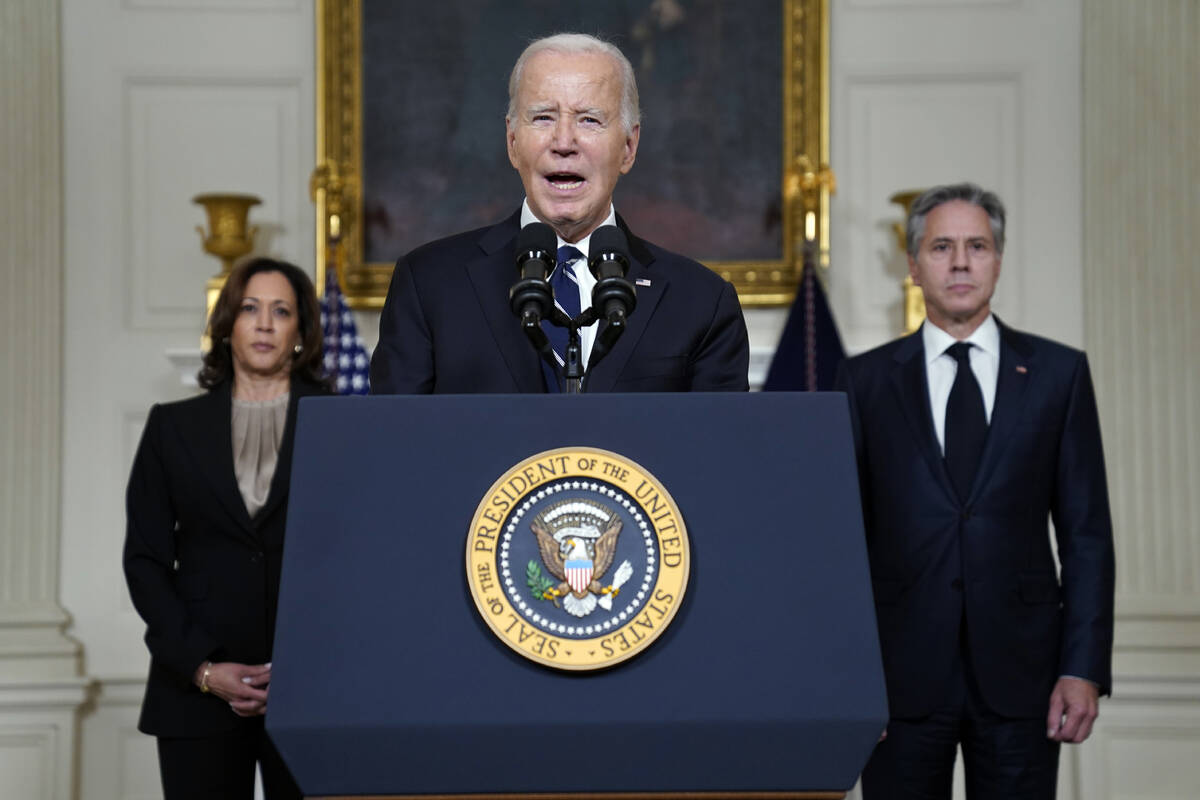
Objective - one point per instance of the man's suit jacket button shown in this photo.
(966, 514)
(956, 584)
(257, 557)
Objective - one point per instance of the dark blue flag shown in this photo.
(346, 359)
(810, 349)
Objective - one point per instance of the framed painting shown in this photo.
(731, 167)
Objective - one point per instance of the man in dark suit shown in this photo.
(572, 131)
(970, 437)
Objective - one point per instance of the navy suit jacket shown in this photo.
(983, 568)
(446, 325)
(202, 572)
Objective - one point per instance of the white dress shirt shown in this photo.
(940, 369)
(583, 275)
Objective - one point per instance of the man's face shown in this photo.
(956, 266)
(567, 139)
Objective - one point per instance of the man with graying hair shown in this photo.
(971, 438)
(572, 130)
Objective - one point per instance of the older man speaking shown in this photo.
(573, 124)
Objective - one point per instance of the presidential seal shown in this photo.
(577, 558)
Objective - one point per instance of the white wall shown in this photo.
(40, 685)
(925, 92)
(935, 91)
(162, 99)
(1141, 183)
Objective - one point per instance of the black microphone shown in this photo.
(613, 296)
(530, 297)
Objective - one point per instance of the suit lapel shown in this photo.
(912, 388)
(491, 275)
(1016, 357)
(209, 439)
(648, 296)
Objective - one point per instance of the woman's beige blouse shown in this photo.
(257, 433)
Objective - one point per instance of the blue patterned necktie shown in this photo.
(966, 422)
(566, 296)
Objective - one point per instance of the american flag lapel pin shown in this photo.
(1021, 369)
(642, 281)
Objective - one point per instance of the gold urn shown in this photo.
(229, 237)
(914, 301)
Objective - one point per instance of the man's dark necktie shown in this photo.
(966, 422)
(566, 294)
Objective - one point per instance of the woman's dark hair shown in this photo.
(218, 361)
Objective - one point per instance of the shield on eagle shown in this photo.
(579, 573)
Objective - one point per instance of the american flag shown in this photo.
(346, 360)
(810, 349)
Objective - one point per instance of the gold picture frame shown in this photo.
(805, 180)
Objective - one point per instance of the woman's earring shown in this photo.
(298, 349)
(225, 340)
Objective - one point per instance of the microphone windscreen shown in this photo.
(607, 241)
(536, 236)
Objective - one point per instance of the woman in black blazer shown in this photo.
(206, 510)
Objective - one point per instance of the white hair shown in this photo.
(579, 44)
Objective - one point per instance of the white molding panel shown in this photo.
(964, 126)
(1141, 751)
(27, 760)
(37, 738)
(192, 134)
(925, 93)
(119, 761)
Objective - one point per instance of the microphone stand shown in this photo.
(573, 371)
(531, 299)
(573, 366)
(531, 326)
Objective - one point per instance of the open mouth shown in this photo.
(565, 181)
